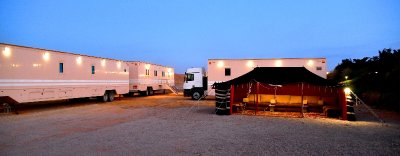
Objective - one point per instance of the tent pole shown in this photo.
(257, 94)
(302, 98)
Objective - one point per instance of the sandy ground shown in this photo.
(173, 125)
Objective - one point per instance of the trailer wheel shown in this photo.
(103, 98)
(150, 91)
(196, 95)
(111, 96)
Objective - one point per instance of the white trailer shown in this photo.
(31, 74)
(146, 78)
(198, 82)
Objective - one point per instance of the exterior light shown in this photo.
(310, 63)
(346, 77)
(347, 91)
(119, 64)
(278, 63)
(103, 62)
(169, 69)
(327, 73)
(376, 72)
(46, 56)
(147, 66)
(7, 52)
(220, 64)
(79, 60)
(250, 64)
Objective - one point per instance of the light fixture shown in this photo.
(79, 60)
(147, 66)
(250, 64)
(310, 63)
(103, 62)
(220, 64)
(278, 63)
(347, 91)
(46, 56)
(119, 64)
(7, 52)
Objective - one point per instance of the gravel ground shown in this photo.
(173, 125)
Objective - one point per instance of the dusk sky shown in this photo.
(185, 33)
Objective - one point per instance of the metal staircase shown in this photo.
(358, 102)
(173, 89)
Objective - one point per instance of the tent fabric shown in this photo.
(279, 76)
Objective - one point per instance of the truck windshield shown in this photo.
(189, 77)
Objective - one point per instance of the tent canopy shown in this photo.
(279, 76)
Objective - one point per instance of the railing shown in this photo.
(358, 101)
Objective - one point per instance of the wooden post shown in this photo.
(231, 99)
(257, 94)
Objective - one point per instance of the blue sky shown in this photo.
(185, 33)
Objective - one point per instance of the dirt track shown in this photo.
(173, 125)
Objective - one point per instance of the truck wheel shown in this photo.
(103, 98)
(196, 95)
(111, 96)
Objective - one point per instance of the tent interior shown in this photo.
(293, 89)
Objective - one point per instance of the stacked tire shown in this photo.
(222, 101)
(351, 116)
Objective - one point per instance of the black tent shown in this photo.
(279, 75)
(267, 75)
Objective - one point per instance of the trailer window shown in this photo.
(189, 77)
(61, 68)
(227, 71)
(155, 73)
(93, 69)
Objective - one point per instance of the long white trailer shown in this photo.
(31, 74)
(146, 78)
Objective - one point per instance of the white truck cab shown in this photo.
(195, 84)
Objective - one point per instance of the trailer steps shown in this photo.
(173, 89)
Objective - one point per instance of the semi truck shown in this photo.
(32, 74)
(147, 78)
(198, 82)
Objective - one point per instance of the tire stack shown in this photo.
(351, 116)
(222, 101)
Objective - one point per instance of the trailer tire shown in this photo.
(150, 91)
(111, 96)
(103, 98)
(196, 95)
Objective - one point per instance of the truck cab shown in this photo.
(195, 84)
